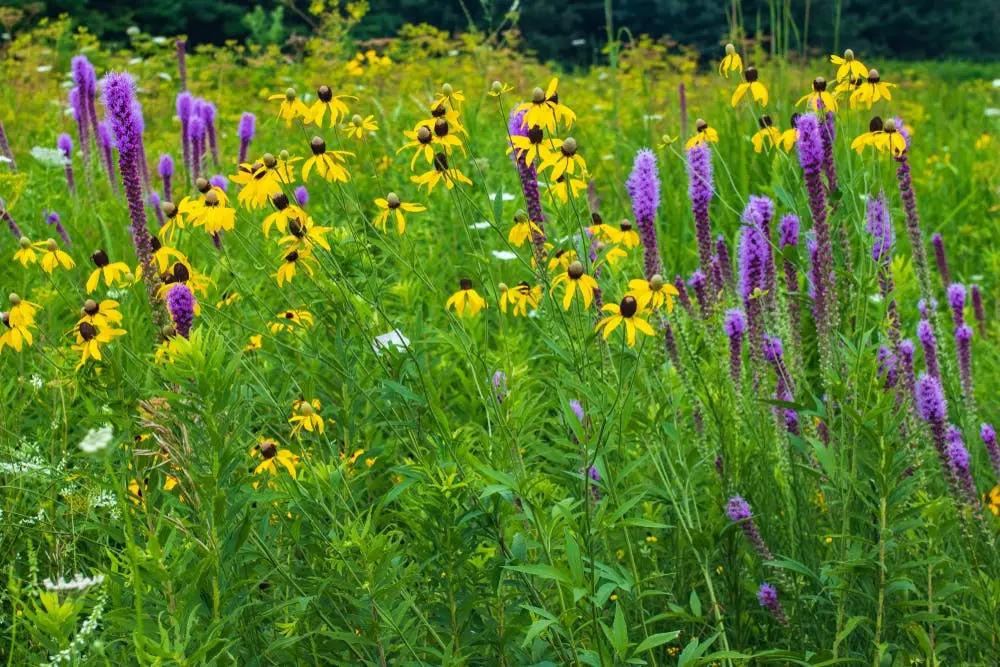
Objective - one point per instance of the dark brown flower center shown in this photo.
(91, 307)
(296, 228)
(628, 307)
(700, 125)
(324, 93)
(318, 146)
(575, 270)
(268, 449)
(535, 134)
(875, 125)
(441, 162)
(292, 257)
(181, 273)
(465, 284)
(765, 121)
(280, 201)
(750, 74)
(424, 134)
(87, 331)
(100, 259)
(819, 84)
(441, 127)
(873, 76)
(795, 119)
(439, 111)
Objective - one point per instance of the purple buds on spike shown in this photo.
(767, 596)
(735, 326)
(941, 259)
(643, 187)
(699, 168)
(65, 144)
(166, 171)
(301, 195)
(180, 303)
(738, 511)
(248, 123)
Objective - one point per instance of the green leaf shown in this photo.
(619, 632)
(573, 557)
(543, 571)
(537, 628)
(695, 603)
(658, 639)
(852, 623)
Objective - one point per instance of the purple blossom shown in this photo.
(301, 195)
(699, 168)
(888, 366)
(529, 183)
(106, 143)
(180, 303)
(880, 227)
(828, 134)
(698, 282)
(783, 391)
(941, 259)
(906, 351)
(595, 477)
(767, 596)
(196, 131)
(682, 294)
(788, 236)
(904, 180)
(65, 144)
(956, 300)
(500, 385)
(738, 511)
(759, 212)
(929, 397)
(140, 124)
(925, 332)
(958, 461)
(207, 111)
(248, 123)
(219, 181)
(963, 345)
(166, 171)
(643, 186)
(754, 251)
(85, 80)
(52, 218)
(185, 106)
(723, 260)
(182, 62)
(788, 231)
(989, 436)
(978, 309)
(577, 409)
(156, 204)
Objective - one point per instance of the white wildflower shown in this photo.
(97, 439)
(50, 157)
(77, 583)
(505, 255)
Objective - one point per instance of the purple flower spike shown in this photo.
(180, 302)
(182, 62)
(156, 204)
(989, 436)
(958, 461)
(888, 367)
(698, 282)
(500, 386)
(86, 87)
(956, 300)
(906, 351)
(185, 107)
(904, 180)
(979, 309)
(754, 252)
(11, 223)
(963, 344)
(788, 231)
(699, 167)
(933, 409)
(577, 409)
(760, 212)
(735, 325)
(767, 596)
(595, 476)
(106, 143)
(643, 187)
(738, 511)
(829, 135)
(941, 259)
(208, 112)
(65, 144)
(196, 137)
(166, 171)
(783, 390)
(925, 332)
(248, 123)
(788, 235)
(682, 294)
(52, 218)
(880, 227)
(301, 195)
(723, 260)
(529, 184)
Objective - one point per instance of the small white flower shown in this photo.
(97, 439)
(655, 116)
(607, 156)
(505, 255)
(996, 83)
(66, 84)
(159, 41)
(453, 52)
(36, 381)
(164, 76)
(480, 225)
(5, 159)
(132, 31)
(393, 339)
(875, 298)
(578, 42)
(45, 68)
(992, 111)
(976, 278)
(77, 583)
(135, 61)
(504, 196)
(50, 157)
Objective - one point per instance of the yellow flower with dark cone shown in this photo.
(90, 338)
(993, 500)
(791, 135)
(602, 230)
(441, 172)
(442, 112)
(26, 251)
(214, 215)
(291, 261)
(263, 178)
(454, 98)
(654, 293)
(103, 314)
(274, 458)
(519, 298)
(891, 139)
(53, 258)
(291, 107)
(871, 91)
(848, 67)
(289, 320)
(443, 137)
(163, 256)
(869, 138)
(627, 312)
(182, 272)
(752, 85)
(306, 416)
(534, 146)
(731, 62)
(574, 279)
(563, 186)
(703, 134)
(15, 336)
(565, 160)
(394, 207)
(524, 228)
(358, 126)
(545, 110)
(327, 101)
(465, 300)
(767, 133)
(819, 99)
(328, 164)
(22, 313)
(304, 233)
(256, 343)
(422, 139)
(284, 212)
(174, 221)
(629, 237)
(561, 259)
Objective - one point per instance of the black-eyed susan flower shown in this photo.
(564, 186)
(610, 254)
(447, 114)
(53, 257)
(703, 134)
(303, 233)
(327, 101)
(441, 172)
(273, 458)
(284, 212)
(26, 251)
(767, 133)
(751, 84)
(358, 126)
(524, 228)
(891, 139)
(291, 106)
(499, 88)
(290, 320)
(306, 417)
(627, 312)
(534, 146)
(629, 237)
(328, 164)
(163, 256)
(173, 220)
(90, 338)
(22, 313)
(871, 91)
(602, 230)
(262, 179)
(519, 298)
(564, 160)
(293, 260)
(15, 336)
(465, 300)
(791, 135)
(574, 279)
(393, 206)
(103, 314)
(819, 98)
(256, 343)
(848, 67)
(731, 62)
(182, 272)
(421, 139)
(654, 293)
(444, 137)
(862, 141)
(545, 110)
(561, 259)
(214, 214)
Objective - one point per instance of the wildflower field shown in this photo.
(425, 352)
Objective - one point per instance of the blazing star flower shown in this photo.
(573, 279)
(291, 107)
(654, 293)
(519, 298)
(465, 297)
(738, 511)
(440, 172)
(750, 84)
(643, 186)
(180, 303)
(731, 62)
(328, 164)
(358, 126)
(819, 99)
(848, 67)
(871, 91)
(545, 110)
(767, 595)
(306, 417)
(735, 326)
(393, 206)
(245, 131)
(627, 312)
(326, 101)
(703, 134)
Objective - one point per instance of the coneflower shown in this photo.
(767, 596)
(182, 72)
(180, 303)
(904, 180)
(643, 186)
(106, 144)
(978, 309)
(196, 143)
(301, 195)
(810, 147)
(784, 389)
(735, 325)
(698, 283)
(529, 184)
(5, 148)
(925, 333)
(52, 218)
(119, 99)
(941, 259)
(739, 512)
(247, 127)
(699, 168)
(208, 113)
(989, 436)
(165, 169)
(65, 144)
(185, 105)
(724, 260)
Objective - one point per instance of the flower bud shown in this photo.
(569, 147)
(268, 160)
(25, 242)
(424, 134)
(520, 216)
(283, 155)
(502, 287)
(730, 49)
(538, 95)
(290, 94)
(15, 300)
(357, 120)
(169, 209)
(656, 282)
(305, 409)
(497, 87)
(700, 125)
(447, 90)
(393, 200)
(848, 55)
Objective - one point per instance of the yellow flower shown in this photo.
(628, 312)
(848, 66)
(288, 320)
(563, 186)
(16, 335)
(465, 296)
(328, 164)
(731, 63)
(523, 229)
(604, 232)
(358, 126)
(103, 314)
(54, 257)
(285, 212)
(441, 172)
(214, 214)
(421, 139)
(519, 298)
(789, 136)
(163, 256)
(881, 136)
(326, 100)
(563, 161)
(756, 89)
(545, 110)
(256, 343)
(174, 221)
(272, 457)
(228, 299)
(21, 313)
(453, 97)
(291, 107)
(112, 272)
(993, 501)
(629, 237)
(983, 141)
(767, 132)
(451, 118)
(654, 293)
(304, 233)
(611, 254)
(262, 179)
(560, 259)
(306, 416)
(533, 146)
(703, 134)
(292, 260)
(90, 338)
(26, 251)
(392, 206)
(819, 99)
(871, 91)
(574, 279)
(498, 89)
